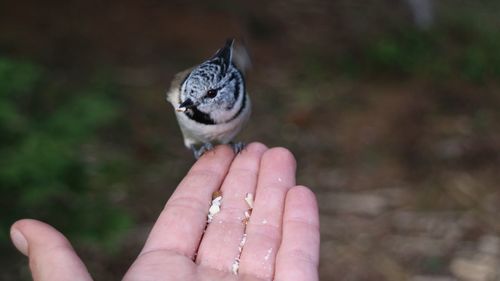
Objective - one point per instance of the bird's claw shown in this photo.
(237, 147)
(198, 152)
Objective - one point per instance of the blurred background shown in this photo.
(391, 108)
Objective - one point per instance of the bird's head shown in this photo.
(214, 91)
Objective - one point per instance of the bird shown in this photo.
(210, 100)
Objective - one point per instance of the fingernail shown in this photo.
(19, 241)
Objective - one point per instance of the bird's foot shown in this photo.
(198, 152)
(237, 146)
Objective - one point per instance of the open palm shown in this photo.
(281, 237)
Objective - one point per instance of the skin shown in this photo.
(282, 233)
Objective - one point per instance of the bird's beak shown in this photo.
(187, 104)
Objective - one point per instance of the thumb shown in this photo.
(50, 254)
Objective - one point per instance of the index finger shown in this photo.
(181, 223)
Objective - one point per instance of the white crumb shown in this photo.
(236, 262)
(268, 254)
(235, 266)
(214, 208)
(242, 242)
(264, 221)
(249, 200)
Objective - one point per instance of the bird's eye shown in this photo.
(211, 93)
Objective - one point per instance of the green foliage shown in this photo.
(437, 54)
(43, 169)
(455, 49)
(405, 53)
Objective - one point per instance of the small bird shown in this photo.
(210, 100)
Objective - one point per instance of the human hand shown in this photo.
(282, 234)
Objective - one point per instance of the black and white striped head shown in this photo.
(214, 92)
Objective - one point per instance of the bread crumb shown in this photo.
(236, 262)
(268, 254)
(249, 200)
(214, 208)
(216, 194)
(235, 266)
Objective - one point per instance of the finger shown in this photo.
(50, 254)
(298, 256)
(219, 246)
(276, 177)
(181, 224)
